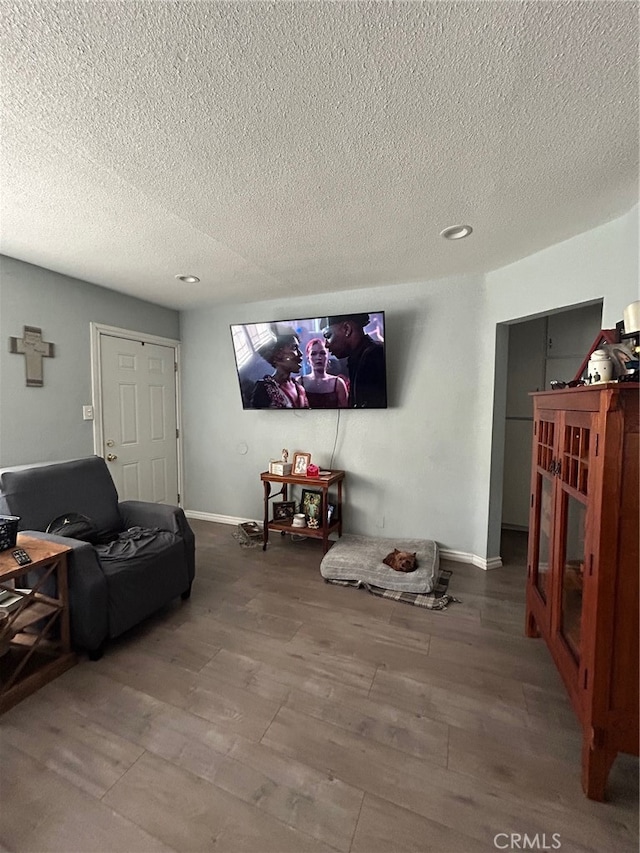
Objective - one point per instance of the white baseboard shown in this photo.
(454, 556)
(220, 519)
(462, 557)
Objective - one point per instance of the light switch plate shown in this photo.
(87, 413)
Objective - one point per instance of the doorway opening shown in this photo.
(535, 351)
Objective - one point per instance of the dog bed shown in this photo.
(359, 558)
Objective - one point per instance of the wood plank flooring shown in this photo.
(274, 712)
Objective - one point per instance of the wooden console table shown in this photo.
(323, 484)
(40, 649)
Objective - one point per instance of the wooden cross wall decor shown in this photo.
(34, 349)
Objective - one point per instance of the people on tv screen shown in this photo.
(324, 391)
(343, 367)
(346, 338)
(280, 390)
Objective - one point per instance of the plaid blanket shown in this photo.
(438, 599)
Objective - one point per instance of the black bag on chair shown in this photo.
(75, 526)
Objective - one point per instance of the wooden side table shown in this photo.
(319, 483)
(40, 648)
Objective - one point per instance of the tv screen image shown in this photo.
(331, 362)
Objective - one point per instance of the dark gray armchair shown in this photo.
(144, 558)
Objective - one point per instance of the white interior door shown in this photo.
(139, 419)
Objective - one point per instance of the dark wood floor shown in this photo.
(275, 712)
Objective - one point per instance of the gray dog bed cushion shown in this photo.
(359, 558)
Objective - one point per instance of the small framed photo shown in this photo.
(284, 510)
(311, 505)
(300, 463)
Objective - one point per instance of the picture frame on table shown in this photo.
(300, 463)
(284, 510)
(311, 504)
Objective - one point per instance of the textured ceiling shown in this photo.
(308, 147)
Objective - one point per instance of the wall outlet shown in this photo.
(87, 413)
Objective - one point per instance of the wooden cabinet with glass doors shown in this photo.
(583, 561)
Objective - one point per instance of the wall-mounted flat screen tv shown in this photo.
(330, 362)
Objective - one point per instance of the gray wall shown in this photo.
(45, 424)
(399, 464)
(432, 464)
(601, 264)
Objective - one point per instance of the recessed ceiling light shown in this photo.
(456, 232)
(188, 279)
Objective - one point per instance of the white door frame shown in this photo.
(97, 331)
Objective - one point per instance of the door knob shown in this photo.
(111, 457)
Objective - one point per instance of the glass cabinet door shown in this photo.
(545, 465)
(574, 474)
(572, 577)
(545, 525)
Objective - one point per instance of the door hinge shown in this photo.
(175, 366)
(178, 497)
(177, 433)
(597, 442)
